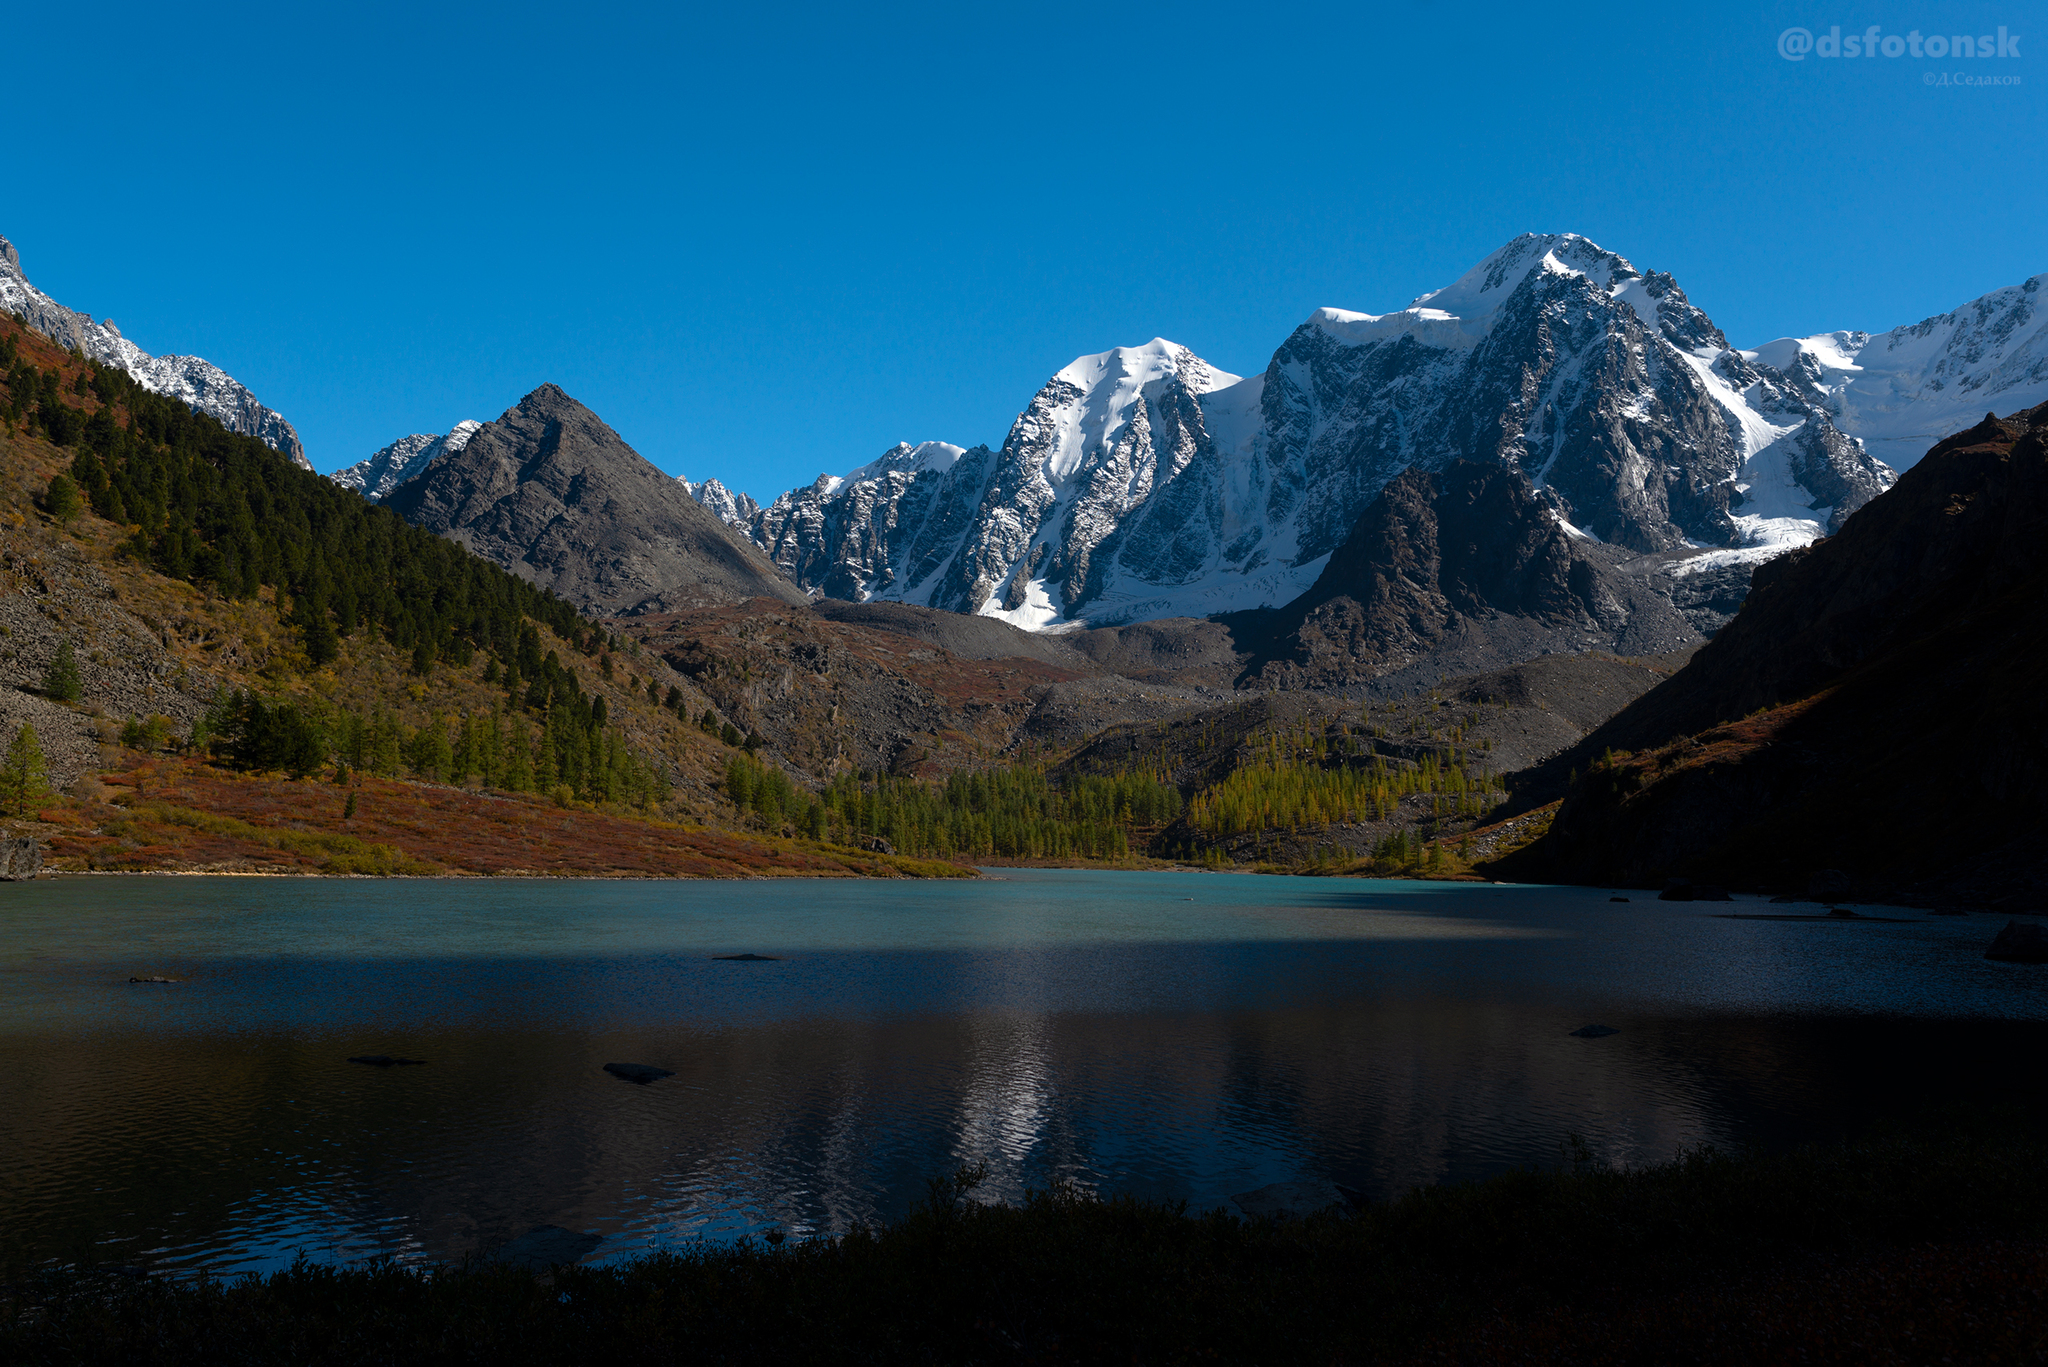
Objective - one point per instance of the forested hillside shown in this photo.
(180, 605)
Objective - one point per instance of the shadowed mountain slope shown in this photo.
(1466, 570)
(554, 495)
(1874, 707)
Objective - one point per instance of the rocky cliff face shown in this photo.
(1144, 483)
(1465, 568)
(551, 493)
(1873, 708)
(200, 385)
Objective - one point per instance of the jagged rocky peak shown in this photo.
(199, 384)
(375, 476)
(554, 495)
(736, 510)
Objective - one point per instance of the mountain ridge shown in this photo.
(197, 383)
(1143, 482)
(1120, 495)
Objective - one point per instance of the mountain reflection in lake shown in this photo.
(1056, 1025)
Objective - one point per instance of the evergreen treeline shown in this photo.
(501, 748)
(1011, 813)
(216, 507)
(1284, 790)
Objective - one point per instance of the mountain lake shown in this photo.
(1186, 1036)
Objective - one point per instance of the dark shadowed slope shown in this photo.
(1875, 707)
(1466, 570)
(553, 494)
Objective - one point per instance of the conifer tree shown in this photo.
(61, 681)
(63, 499)
(24, 779)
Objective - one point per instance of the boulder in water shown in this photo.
(383, 1060)
(1676, 890)
(638, 1072)
(2021, 942)
(747, 958)
(1595, 1031)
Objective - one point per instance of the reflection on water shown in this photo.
(1097, 1028)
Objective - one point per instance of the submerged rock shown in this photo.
(747, 958)
(383, 1060)
(1617, 899)
(1843, 913)
(638, 1072)
(1595, 1031)
(155, 980)
(2021, 942)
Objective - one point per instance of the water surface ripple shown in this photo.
(1179, 1035)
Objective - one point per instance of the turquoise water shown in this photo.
(1181, 1035)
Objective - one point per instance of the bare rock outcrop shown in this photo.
(554, 495)
(21, 857)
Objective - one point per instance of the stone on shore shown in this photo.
(21, 858)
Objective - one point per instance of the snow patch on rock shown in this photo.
(197, 383)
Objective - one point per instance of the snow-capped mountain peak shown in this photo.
(1474, 296)
(376, 476)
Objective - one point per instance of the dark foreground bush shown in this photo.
(1513, 1269)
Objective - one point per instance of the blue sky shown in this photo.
(771, 244)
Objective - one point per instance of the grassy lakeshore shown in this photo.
(1919, 1246)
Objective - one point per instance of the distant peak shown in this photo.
(1479, 291)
